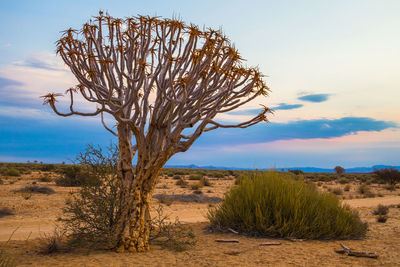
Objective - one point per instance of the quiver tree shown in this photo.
(163, 82)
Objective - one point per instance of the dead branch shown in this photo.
(227, 240)
(350, 252)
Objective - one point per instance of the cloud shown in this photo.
(245, 112)
(253, 112)
(316, 98)
(302, 129)
(285, 106)
(4, 82)
(42, 60)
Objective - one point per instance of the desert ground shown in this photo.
(34, 217)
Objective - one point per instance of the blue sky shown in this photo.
(333, 68)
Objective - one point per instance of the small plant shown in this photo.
(343, 180)
(45, 178)
(297, 172)
(166, 199)
(181, 182)
(197, 192)
(5, 212)
(382, 218)
(36, 189)
(204, 181)
(196, 186)
(176, 177)
(13, 172)
(381, 210)
(195, 177)
(337, 191)
(347, 188)
(171, 235)
(53, 243)
(363, 189)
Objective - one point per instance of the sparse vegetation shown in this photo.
(391, 176)
(181, 182)
(195, 177)
(53, 243)
(347, 188)
(171, 235)
(381, 210)
(5, 212)
(274, 204)
(77, 176)
(363, 189)
(12, 172)
(337, 191)
(90, 216)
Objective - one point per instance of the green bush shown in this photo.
(12, 172)
(273, 204)
(195, 177)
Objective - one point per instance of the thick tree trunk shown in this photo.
(133, 226)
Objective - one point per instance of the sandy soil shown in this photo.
(36, 215)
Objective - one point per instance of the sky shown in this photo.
(333, 68)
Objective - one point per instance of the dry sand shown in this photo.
(37, 215)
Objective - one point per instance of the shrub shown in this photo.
(77, 176)
(36, 189)
(181, 182)
(196, 186)
(337, 191)
(363, 189)
(381, 210)
(53, 243)
(12, 172)
(273, 204)
(347, 188)
(90, 216)
(343, 180)
(176, 177)
(45, 178)
(204, 182)
(195, 177)
(297, 172)
(389, 175)
(5, 212)
(382, 218)
(171, 235)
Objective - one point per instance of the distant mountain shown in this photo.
(304, 169)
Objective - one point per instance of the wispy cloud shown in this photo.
(302, 129)
(42, 60)
(5, 82)
(252, 112)
(285, 106)
(316, 98)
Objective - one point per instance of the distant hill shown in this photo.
(304, 169)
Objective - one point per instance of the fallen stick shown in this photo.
(350, 252)
(227, 240)
(270, 244)
(233, 231)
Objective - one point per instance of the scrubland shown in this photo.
(32, 197)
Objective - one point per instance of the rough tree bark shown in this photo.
(164, 83)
